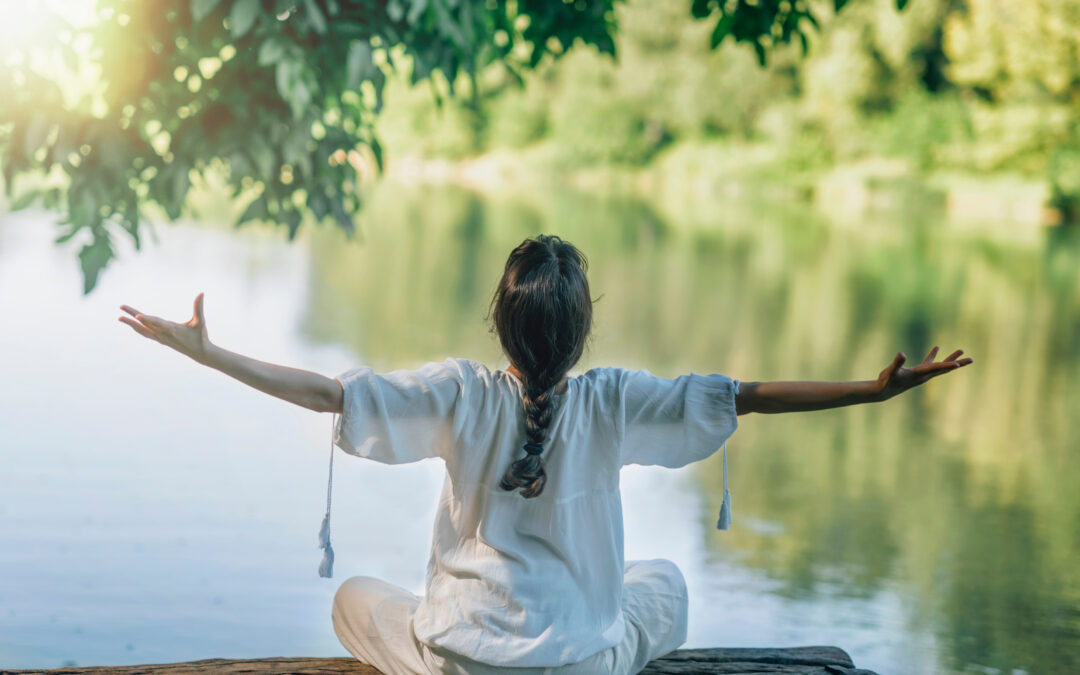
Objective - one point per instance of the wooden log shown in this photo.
(273, 666)
(790, 661)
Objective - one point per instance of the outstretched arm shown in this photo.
(778, 397)
(302, 387)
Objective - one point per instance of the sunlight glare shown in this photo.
(28, 23)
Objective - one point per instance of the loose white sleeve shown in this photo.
(401, 416)
(673, 422)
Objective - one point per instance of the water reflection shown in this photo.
(962, 493)
(939, 531)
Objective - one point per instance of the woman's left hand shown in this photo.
(896, 379)
(189, 338)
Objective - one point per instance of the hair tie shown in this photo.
(533, 448)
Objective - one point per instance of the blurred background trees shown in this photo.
(975, 87)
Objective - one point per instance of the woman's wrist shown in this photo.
(869, 391)
(210, 355)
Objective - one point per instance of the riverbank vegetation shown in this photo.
(945, 94)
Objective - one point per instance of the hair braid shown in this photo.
(528, 472)
(542, 312)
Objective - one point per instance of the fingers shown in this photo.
(148, 319)
(951, 360)
(930, 357)
(931, 370)
(138, 327)
(890, 370)
(897, 361)
(935, 368)
(153, 321)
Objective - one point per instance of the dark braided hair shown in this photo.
(542, 312)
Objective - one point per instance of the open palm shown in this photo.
(895, 379)
(189, 338)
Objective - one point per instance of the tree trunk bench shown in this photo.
(795, 660)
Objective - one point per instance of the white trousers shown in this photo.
(373, 619)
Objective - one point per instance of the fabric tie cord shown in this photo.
(533, 448)
(723, 522)
(326, 567)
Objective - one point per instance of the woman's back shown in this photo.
(529, 582)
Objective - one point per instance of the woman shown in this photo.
(526, 570)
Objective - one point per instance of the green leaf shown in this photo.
(376, 149)
(378, 80)
(200, 9)
(839, 5)
(292, 87)
(256, 210)
(901, 4)
(318, 205)
(24, 200)
(130, 222)
(171, 188)
(292, 220)
(271, 51)
(421, 69)
(416, 12)
(239, 165)
(67, 235)
(359, 64)
(51, 199)
(759, 49)
(284, 76)
(343, 220)
(315, 17)
(262, 156)
(93, 257)
(721, 31)
(700, 9)
(449, 26)
(395, 10)
(242, 17)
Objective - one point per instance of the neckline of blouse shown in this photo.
(521, 385)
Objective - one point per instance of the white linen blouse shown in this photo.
(529, 582)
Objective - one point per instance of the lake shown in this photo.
(152, 510)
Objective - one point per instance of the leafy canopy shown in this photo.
(277, 96)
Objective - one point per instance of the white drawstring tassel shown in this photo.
(326, 567)
(723, 522)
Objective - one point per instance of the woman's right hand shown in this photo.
(895, 379)
(188, 338)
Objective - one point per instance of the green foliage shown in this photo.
(593, 124)
(924, 128)
(277, 95)
(1065, 180)
(517, 118)
(281, 97)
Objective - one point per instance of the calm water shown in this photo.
(152, 510)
